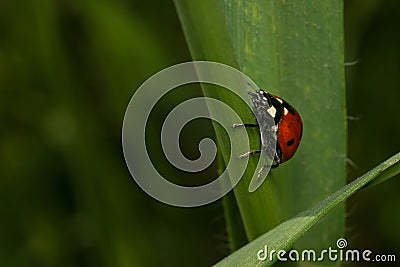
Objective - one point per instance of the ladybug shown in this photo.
(279, 124)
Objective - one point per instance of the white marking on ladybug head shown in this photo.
(279, 100)
(285, 111)
(272, 111)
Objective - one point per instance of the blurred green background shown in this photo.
(67, 72)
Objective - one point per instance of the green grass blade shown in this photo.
(387, 174)
(293, 49)
(283, 236)
(205, 29)
(234, 227)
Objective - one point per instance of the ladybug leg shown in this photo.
(277, 157)
(247, 125)
(275, 165)
(251, 152)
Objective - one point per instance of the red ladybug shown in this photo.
(286, 128)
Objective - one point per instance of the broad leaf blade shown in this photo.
(295, 49)
(208, 38)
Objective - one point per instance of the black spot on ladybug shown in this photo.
(290, 142)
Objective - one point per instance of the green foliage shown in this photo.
(284, 235)
(298, 55)
(67, 72)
